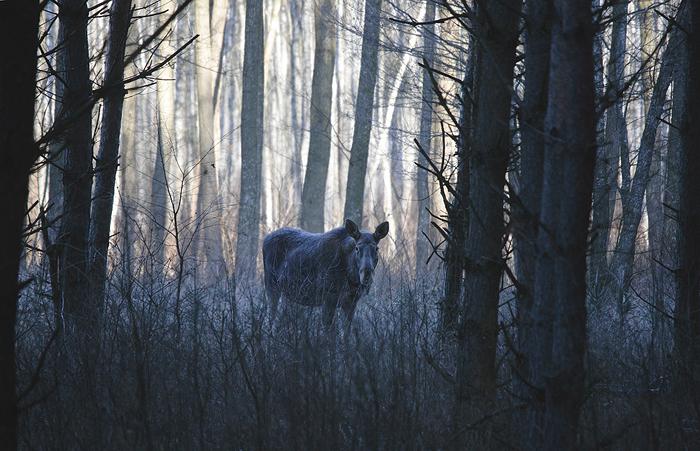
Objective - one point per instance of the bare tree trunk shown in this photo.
(615, 144)
(56, 154)
(209, 244)
(687, 311)
(296, 25)
(251, 141)
(654, 195)
(165, 86)
(497, 25)
(538, 41)
(458, 210)
(623, 257)
(559, 332)
(672, 183)
(77, 173)
(56, 148)
(364, 108)
(425, 140)
(19, 23)
(108, 156)
(314, 191)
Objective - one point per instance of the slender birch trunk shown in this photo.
(251, 141)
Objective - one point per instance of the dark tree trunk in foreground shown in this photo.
(687, 311)
(314, 192)
(559, 333)
(425, 140)
(19, 22)
(458, 212)
(672, 183)
(251, 140)
(364, 107)
(538, 40)
(77, 174)
(80, 346)
(108, 156)
(497, 25)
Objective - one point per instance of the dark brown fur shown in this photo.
(321, 269)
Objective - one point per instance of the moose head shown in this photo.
(365, 255)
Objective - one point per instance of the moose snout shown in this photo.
(365, 276)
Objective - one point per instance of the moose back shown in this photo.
(330, 270)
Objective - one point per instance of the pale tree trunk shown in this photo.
(314, 190)
(19, 23)
(251, 141)
(559, 335)
(497, 25)
(615, 144)
(687, 312)
(295, 45)
(162, 183)
(526, 209)
(425, 142)
(364, 107)
(108, 155)
(209, 242)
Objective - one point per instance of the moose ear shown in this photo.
(381, 231)
(352, 229)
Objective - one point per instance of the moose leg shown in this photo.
(273, 297)
(329, 313)
(348, 304)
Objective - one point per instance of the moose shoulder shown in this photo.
(332, 269)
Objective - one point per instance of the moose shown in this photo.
(329, 270)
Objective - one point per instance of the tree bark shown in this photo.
(296, 23)
(19, 28)
(672, 183)
(458, 210)
(614, 145)
(538, 40)
(559, 332)
(209, 243)
(160, 200)
(425, 140)
(623, 257)
(687, 313)
(364, 108)
(251, 141)
(497, 31)
(77, 173)
(108, 156)
(56, 155)
(314, 191)
(654, 195)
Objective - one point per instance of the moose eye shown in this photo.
(357, 248)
